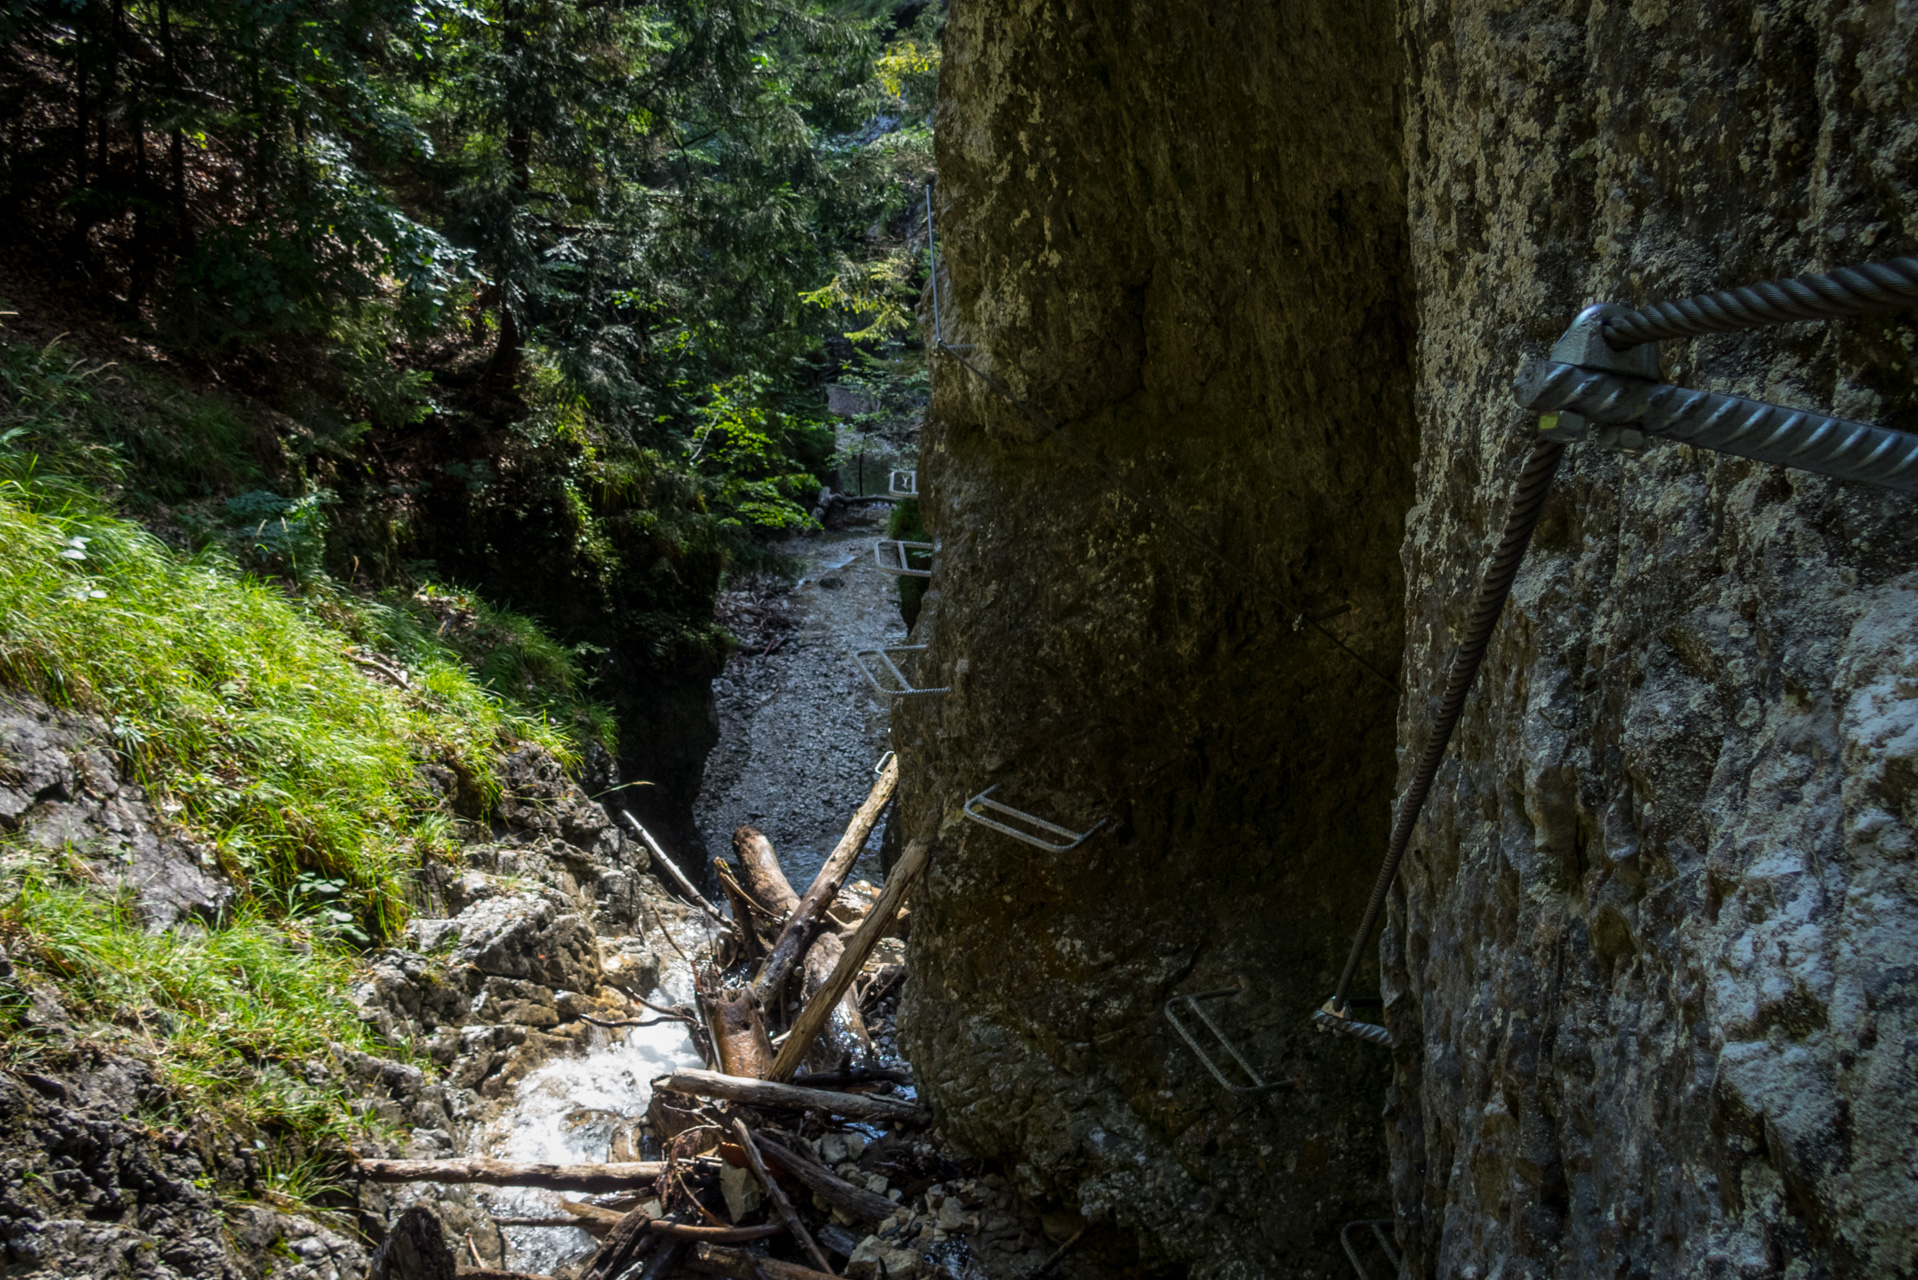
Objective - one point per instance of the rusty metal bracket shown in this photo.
(1191, 1002)
(903, 484)
(902, 553)
(886, 665)
(984, 801)
(1378, 1226)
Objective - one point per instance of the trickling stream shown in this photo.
(799, 732)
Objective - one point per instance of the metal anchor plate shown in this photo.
(901, 553)
(884, 664)
(1191, 1003)
(984, 801)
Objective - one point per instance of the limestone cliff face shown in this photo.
(1653, 966)
(1179, 231)
(1274, 267)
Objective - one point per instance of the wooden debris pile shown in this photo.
(795, 1156)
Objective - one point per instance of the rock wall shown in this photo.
(1650, 962)
(1177, 230)
(1653, 963)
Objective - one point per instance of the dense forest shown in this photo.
(385, 387)
(534, 298)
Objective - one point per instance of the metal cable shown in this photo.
(1138, 495)
(1848, 291)
(1528, 501)
(1728, 424)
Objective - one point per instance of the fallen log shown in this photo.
(854, 1075)
(739, 1032)
(501, 1173)
(624, 1245)
(820, 1007)
(759, 866)
(829, 1186)
(809, 916)
(686, 886)
(792, 1097)
(717, 1260)
(774, 1192)
(843, 1040)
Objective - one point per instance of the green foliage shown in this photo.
(908, 525)
(231, 1015)
(745, 447)
(237, 706)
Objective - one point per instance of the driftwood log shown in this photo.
(819, 1009)
(626, 1244)
(808, 917)
(829, 1186)
(777, 1194)
(718, 1260)
(739, 1032)
(759, 868)
(843, 1040)
(792, 1097)
(502, 1173)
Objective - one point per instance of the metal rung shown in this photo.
(1076, 837)
(906, 688)
(883, 762)
(1328, 1020)
(901, 551)
(1192, 1002)
(904, 484)
(1378, 1226)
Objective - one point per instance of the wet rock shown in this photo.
(531, 937)
(879, 1259)
(414, 1249)
(741, 1190)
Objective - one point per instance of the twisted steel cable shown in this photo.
(1728, 424)
(1534, 483)
(1849, 291)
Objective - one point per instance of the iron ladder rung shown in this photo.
(984, 801)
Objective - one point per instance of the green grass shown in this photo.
(278, 720)
(230, 1015)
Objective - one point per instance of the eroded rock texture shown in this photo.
(1178, 230)
(1653, 969)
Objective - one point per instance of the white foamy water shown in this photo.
(571, 1111)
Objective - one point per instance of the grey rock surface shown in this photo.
(61, 790)
(1653, 962)
(1177, 229)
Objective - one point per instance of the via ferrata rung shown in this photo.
(902, 553)
(984, 801)
(1258, 1084)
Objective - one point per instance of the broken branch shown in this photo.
(672, 869)
(501, 1173)
(771, 1093)
(809, 916)
(829, 1186)
(777, 1195)
(820, 1007)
